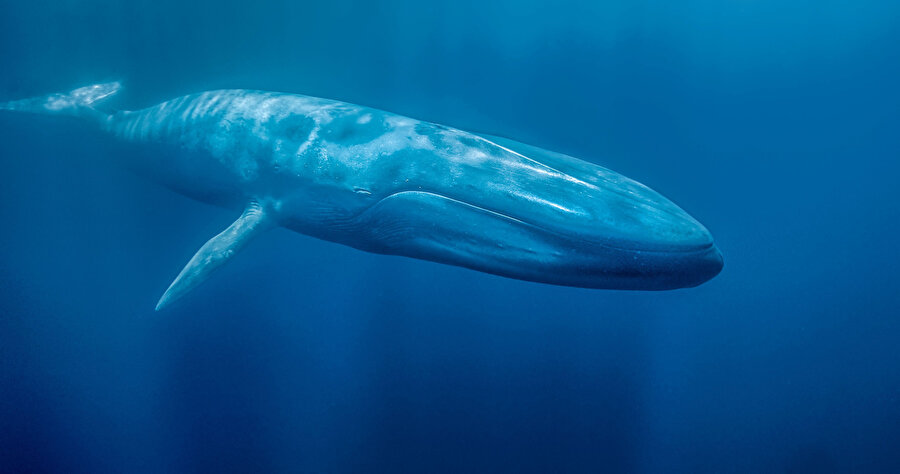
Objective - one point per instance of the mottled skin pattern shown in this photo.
(391, 184)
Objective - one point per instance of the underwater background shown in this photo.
(773, 122)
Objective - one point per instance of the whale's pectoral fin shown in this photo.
(216, 252)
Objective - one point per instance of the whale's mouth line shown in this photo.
(575, 239)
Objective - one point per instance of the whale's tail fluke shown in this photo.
(80, 102)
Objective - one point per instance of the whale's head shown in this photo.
(536, 215)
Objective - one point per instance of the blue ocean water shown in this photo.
(775, 123)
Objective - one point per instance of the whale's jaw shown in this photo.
(439, 228)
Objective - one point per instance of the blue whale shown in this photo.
(389, 184)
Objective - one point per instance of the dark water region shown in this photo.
(775, 123)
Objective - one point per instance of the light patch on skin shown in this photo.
(456, 151)
(422, 142)
(260, 114)
(474, 155)
(58, 103)
(403, 137)
(553, 204)
(90, 94)
(364, 119)
(397, 121)
(556, 172)
(541, 201)
(313, 136)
